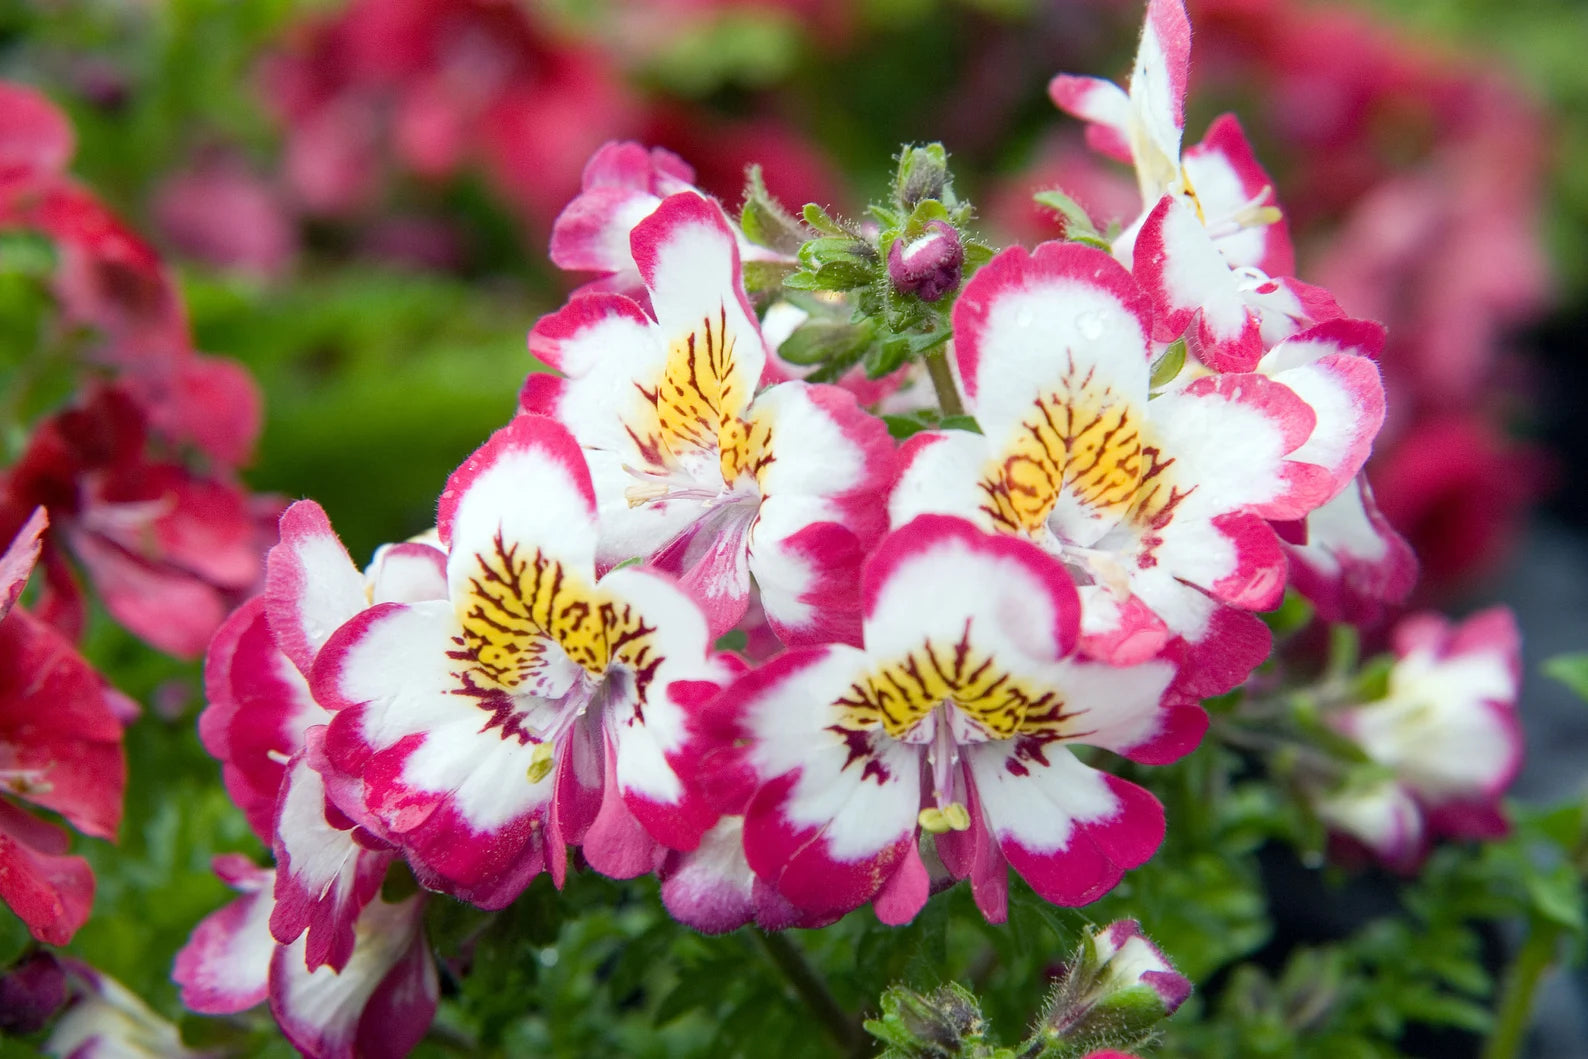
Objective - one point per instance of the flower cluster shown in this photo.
(131, 484)
(688, 616)
(1443, 742)
(139, 472)
(1437, 238)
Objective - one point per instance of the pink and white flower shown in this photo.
(1157, 504)
(623, 183)
(953, 720)
(266, 728)
(1348, 560)
(1228, 314)
(106, 1020)
(1224, 227)
(1446, 730)
(1143, 127)
(379, 1004)
(693, 469)
(537, 707)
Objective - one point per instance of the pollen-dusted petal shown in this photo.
(1069, 830)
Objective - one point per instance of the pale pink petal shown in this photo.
(225, 966)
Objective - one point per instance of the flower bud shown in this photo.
(1118, 987)
(928, 266)
(31, 993)
(944, 1022)
(923, 174)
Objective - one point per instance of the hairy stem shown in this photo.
(943, 382)
(789, 960)
(1521, 984)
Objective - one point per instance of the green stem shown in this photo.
(943, 382)
(1521, 983)
(788, 959)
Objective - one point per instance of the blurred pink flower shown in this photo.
(221, 213)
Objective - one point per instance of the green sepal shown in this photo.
(765, 222)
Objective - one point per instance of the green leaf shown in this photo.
(28, 253)
(1168, 366)
(1077, 222)
(818, 341)
(1557, 896)
(761, 276)
(764, 220)
(821, 220)
(961, 423)
(901, 427)
(885, 357)
(1572, 671)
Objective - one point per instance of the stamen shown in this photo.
(641, 493)
(540, 762)
(1255, 212)
(25, 781)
